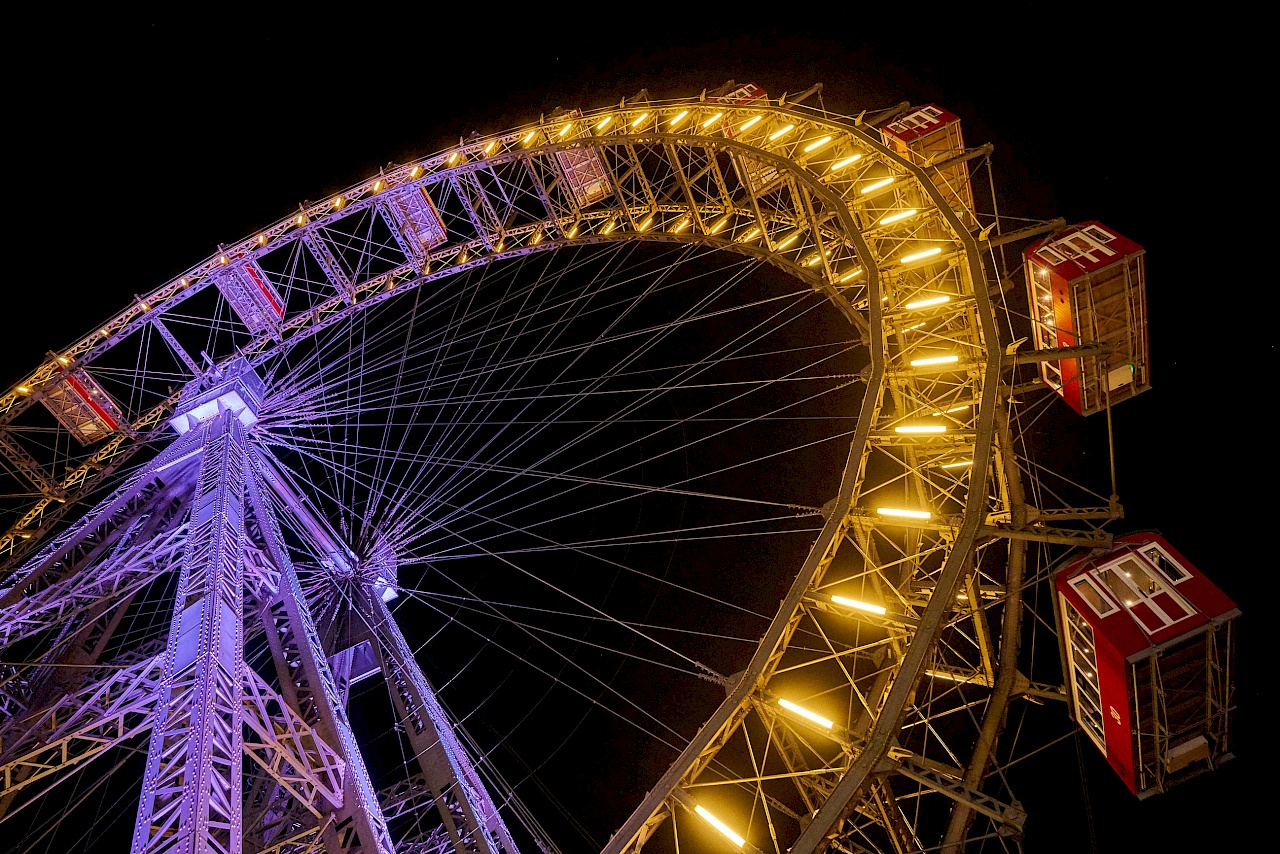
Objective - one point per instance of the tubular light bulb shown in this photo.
(721, 223)
(900, 215)
(377, 186)
(417, 170)
(301, 219)
(840, 164)
(604, 123)
(183, 282)
(918, 256)
(750, 235)
(787, 241)
(709, 122)
(262, 239)
(859, 605)
(719, 825)
(565, 129)
(609, 226)
(638, 119)
(648, 221)
(678, 119)
(104, 333)
(934, 360)
(751, 122)
(925, 303)
(781, 132)
(681, 225)
(904, 514)
(816, 144)
(453, 158)
(528, 137)
(920, 428)
(805, 713)
(337, 203)
(573, 231)
(961, 408)
(871, 188)
(849, 275)
(23, 390)
(488, 149)
(957, 465)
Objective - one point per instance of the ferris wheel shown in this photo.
(649, 476)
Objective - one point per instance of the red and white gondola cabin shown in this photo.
(1148, 653)
(1087, 285)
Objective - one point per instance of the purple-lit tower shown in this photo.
(241, 757)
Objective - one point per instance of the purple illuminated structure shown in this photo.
(234, 762)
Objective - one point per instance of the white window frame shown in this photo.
(1080, 641)
(1140, 595)
(1087, 580)
(1166, 556)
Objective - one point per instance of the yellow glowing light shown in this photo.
(377, 186)
(566, 129)
(681, 225)
(104, 333)
(876, 185)
(337, 203)
(925, 303)
(638, 119)
(224, 260)
(920, 428)
(145, 307)
(750, 235)
(934, 360)
(787, 241)
(648, 221)
(462, 256)
(910, 328)
(64, 360)
(709, 122)
(959, 464)
(904, 514)
(859, 605)
(24, 390)
(714, 822)
(816, 144)
(25, 535)
(528, 137)
(453, 158)
(806, 714)
(604, 123)
(921, 255)
(840, 164)
(781, 132)
(415, 172)
(899, 216)
(961, 408)
(679, 118)
(751, 122)
(815, 258)
(573, 231)
(537, 237)
(262, 240)
(852, 274)
(301, 219)
(609, 226)
(721, 223)
(488, 149)
(183, 282)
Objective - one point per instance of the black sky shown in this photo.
(138, 142)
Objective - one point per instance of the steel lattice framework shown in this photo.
(930, 520)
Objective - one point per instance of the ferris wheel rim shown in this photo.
(966, 254)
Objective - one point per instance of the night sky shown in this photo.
(137, 144)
